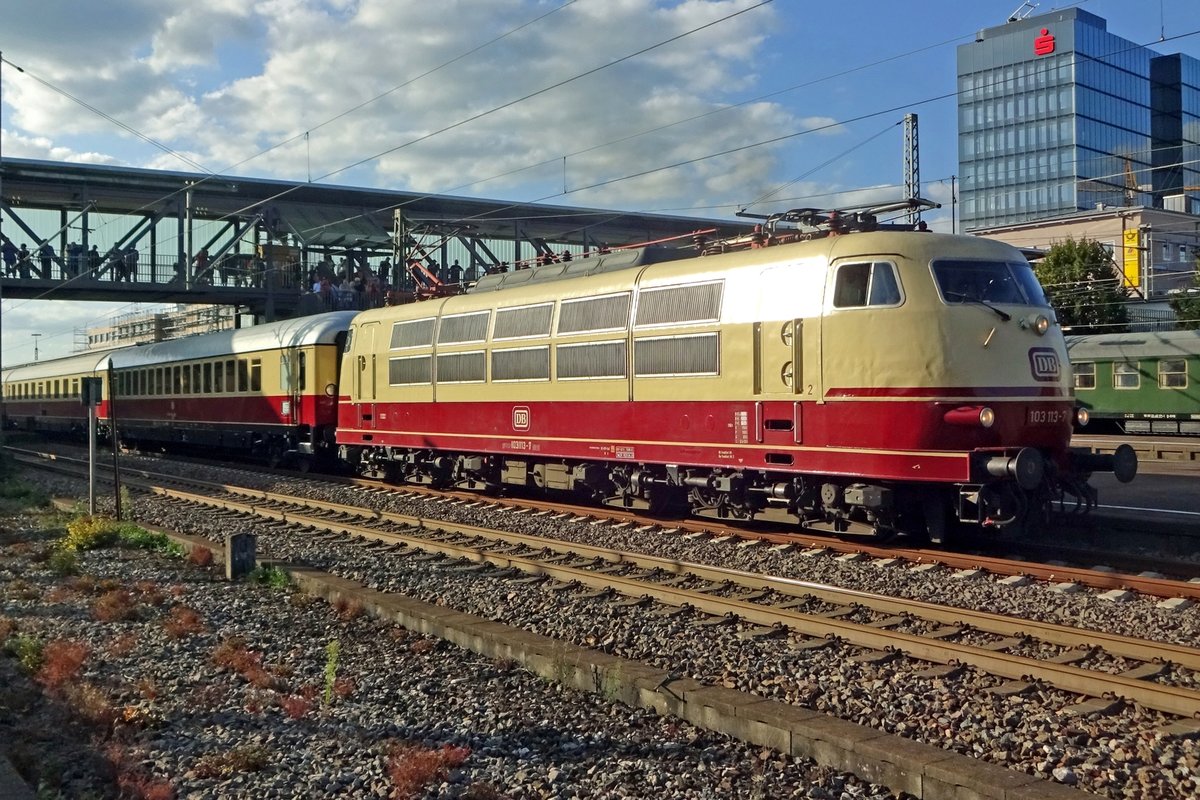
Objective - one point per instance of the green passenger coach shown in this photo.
(1139, 383)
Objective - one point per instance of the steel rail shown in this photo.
(1168, 699)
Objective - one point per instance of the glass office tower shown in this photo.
(1057, 115)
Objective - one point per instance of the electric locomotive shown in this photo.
(828, 370)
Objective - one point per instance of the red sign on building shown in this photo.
(1044, 44)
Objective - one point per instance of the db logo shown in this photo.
(1044, 44)
(1043, 363)
(520, 418)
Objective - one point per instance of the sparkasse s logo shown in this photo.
(1044, 44)
(1044, 364)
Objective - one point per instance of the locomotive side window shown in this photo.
(525, 364)
(463, 328)
(412, 333)
(461, 367)
(678, 304)
(1172, 373)
(608, 313)
(867, 284)
(1126, 375)
(592, 360)
(1004, 282)
(517, 323)
(1085, 375)
(412, 370)
(677, 355)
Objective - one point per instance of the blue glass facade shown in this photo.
(1056, 115)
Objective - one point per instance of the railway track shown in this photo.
(1087, 663)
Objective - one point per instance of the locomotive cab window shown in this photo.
(1126, 375)
(1000, 282)
(866, 284)
(1172, 373)
(1085, 375)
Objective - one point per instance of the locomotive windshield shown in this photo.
(1000, 282)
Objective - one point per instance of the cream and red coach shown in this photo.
(44, 397)
(269, 390)
(869, 382)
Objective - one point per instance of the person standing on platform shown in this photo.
(74, 259)
(46, 254)
(24, 262)
(9, 251)
(93, 262)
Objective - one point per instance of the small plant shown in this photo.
(232, 654)
(422, 646)
(90, 533)
(126, 503)
(91, 703)
(271, 576)
(61, 661)
(115, 606)
(412, 767)
(122, 645)
(27, 650)
(331, 661)
(249, 758)
(148, 689)
(136, 538)
(63, 562)
(201, 556)
(348, 608)
(183, 621)
(7, 626)
(295, 706)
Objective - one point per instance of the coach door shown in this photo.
(365, 373)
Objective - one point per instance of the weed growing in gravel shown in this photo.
(232, 654)
(27, 650)
(295, 706)
(7, 626)
(63, 562)
(15, 493)
(331, 662)
(348, 608)
(201, 556)
(412, 767)
(115, 606)
(183, 621)
(92, 703)
(61, 661)
(136, 538)
(90, 533)
(271, 576)
(126, 503)
(249, 758)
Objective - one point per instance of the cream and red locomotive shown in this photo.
(828, 370)
(863, 382)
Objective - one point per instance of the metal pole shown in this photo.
(112, 431)
(91, 459)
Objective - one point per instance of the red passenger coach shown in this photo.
(270, 390)
(44, 397)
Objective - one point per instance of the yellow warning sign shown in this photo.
(1131, 261)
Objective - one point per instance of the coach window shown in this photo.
(229, 383)
(55, 394)
(243, 380)
(1172, 373)
(1085, 375)
(302, 370)
(206, 378)
(177, 381)
(860, 285)
(185, 379)
(218, 384)
(255, 375)
(1126, 375)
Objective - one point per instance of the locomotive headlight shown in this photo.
(1040, 323)
(970, 417)
(1082, 415)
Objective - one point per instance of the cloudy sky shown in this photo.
(606, 103)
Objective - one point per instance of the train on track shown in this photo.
(1139, 383)
(828, 370)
